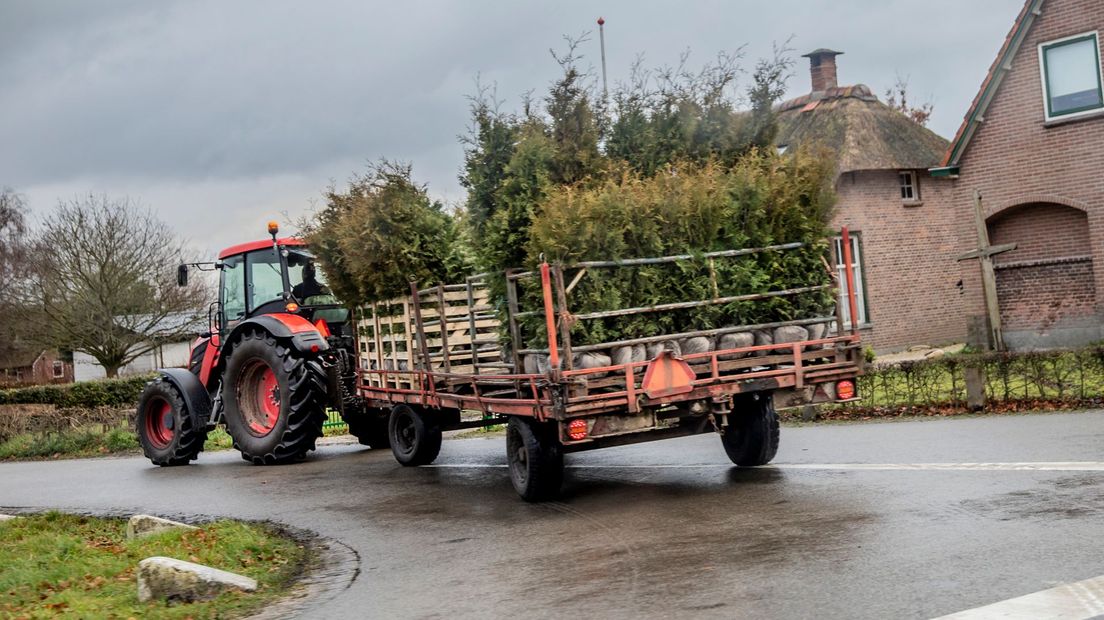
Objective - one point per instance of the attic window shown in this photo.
(1071, 76)
(910, 189)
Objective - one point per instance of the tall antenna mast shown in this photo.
(602, 39)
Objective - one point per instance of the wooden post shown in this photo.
(444, 325)
(512, 312)
(985, 253)
(565, 319)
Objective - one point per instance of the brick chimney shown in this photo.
(822, 68)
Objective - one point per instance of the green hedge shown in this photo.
(105, 393)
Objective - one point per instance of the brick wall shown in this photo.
(1040, 231)
(908, 250)
(1042, 297)
(1016, 159)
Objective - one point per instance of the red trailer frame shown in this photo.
(625, 403)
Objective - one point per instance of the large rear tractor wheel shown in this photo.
(752, 435)
(275, 400)
(535, 459)
(415, 438)
(369, 426)
(166, 431)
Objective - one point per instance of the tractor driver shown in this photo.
(310, 286)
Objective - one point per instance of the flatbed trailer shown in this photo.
(427, 358)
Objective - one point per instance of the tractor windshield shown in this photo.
(308, 284)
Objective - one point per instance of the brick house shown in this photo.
(1030, 144)
(901, 218)
(33, 366)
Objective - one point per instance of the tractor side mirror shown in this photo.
(182, 275)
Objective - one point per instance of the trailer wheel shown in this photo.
(369, 426)
(166, 431)
(752, 435)
(275, 400)
(415, 439)
(535, 459)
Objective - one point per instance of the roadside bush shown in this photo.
(85, 394)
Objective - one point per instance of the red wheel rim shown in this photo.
(259, 398)
(159, 422)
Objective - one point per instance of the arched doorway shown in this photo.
(1045, 286)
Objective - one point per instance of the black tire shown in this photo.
(415, 438)
(166, 431)
(370, 427)
(275, 400)
(535, 459)
(752, 435)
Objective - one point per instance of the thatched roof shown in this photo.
(866, 133)
(14, 357)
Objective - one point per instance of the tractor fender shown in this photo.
(196, 398)
(303, 335)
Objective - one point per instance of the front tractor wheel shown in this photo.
(275, 400)
(166, 431)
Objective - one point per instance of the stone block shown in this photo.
(180, 581)
(146, 525)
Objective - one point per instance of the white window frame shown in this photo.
(857, 273)
(1043, 75)
(912, 184)
(59, 369)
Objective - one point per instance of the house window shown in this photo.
(910, 189)
(857, 274)
(59, 370)
(1071, 76)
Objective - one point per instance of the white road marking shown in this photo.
(1073, 601)
(1051, 466)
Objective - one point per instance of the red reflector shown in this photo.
(577, 429)
(314, 348)
(845, 390)
(322, 328)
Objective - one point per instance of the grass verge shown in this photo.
(88, 442)
(84, 567)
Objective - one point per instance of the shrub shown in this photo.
(383, 232)
(763, 200)
(86, 394)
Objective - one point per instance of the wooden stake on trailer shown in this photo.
(471, 325)
(426, 361)
(564, 318)
(985, 253)
(512, 312)
(443, 310)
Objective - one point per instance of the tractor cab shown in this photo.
(270, 277)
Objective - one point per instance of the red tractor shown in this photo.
(279, 352)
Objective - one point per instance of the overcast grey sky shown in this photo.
(221, 114)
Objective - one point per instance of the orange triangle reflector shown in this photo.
(666, 376)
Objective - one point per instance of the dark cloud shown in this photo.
(137, 97)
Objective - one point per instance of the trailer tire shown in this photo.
(166, 430)
(415, 438)
(370, 428)
(535, 459)
(275, 400)
(752, 436)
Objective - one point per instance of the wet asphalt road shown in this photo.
(665, 529)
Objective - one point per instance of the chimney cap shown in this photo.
(821, 52)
